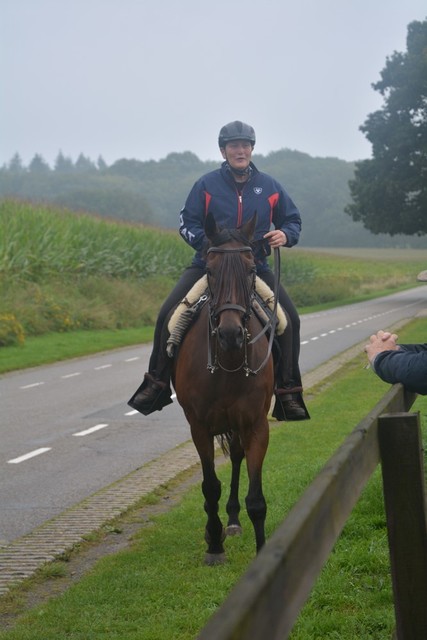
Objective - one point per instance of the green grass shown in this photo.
(54, 347)
(158, 588)
(329, 277)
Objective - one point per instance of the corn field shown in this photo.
(40, 242)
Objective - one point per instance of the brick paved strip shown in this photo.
(21, 558)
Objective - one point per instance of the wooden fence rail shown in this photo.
(267, 600)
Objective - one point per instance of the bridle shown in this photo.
(214, 312)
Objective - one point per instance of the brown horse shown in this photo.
(223, 377)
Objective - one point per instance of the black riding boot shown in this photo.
(152, 395)
(289, 403)
(155, 392)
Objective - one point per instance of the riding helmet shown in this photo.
(236, 130)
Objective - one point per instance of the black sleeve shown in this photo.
(408, 365)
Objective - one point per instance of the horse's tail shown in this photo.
(224, 440)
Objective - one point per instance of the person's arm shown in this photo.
(191, 218)
(405, 366)
(416, 348)
(287, 222)
(393, 363)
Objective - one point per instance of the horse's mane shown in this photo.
(231, 264)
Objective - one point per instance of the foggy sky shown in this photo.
(143, 78)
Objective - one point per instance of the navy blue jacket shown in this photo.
(216, 192)
(407, 365)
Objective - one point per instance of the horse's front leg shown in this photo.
(233, 505)
(214, 532)
(211, 488)
(255, 502)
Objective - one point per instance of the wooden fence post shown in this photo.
(405, 503)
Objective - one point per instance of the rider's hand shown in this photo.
(276, 238)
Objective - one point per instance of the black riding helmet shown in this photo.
(236, 130)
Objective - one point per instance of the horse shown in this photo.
(223, 378)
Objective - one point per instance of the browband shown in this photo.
(229, 250)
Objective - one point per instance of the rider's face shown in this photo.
(238, 153)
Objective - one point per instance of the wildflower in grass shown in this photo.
(11, 331)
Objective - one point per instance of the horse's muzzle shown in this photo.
(230, 336)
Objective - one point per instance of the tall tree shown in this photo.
(15, 164)
(38, 165)
(84, 164)
(389, 191)
(101, 164)
(63, 164)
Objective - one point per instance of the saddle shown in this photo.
(189, 308)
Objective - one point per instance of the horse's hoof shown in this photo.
(233, 530)
(213, 559)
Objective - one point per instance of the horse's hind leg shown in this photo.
(233, 505)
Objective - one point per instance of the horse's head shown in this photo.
(230, 268)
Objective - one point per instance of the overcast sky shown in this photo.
(143, 78)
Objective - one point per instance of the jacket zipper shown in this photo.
(239, 209)
(240, 203)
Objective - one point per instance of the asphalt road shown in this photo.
(67, 432)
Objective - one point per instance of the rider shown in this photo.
(233, 193)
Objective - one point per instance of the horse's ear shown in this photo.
(248, 229)
(211, 227)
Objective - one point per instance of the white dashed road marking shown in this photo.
(86, 432)
(29, 455)
(347, 326)
(30, 386)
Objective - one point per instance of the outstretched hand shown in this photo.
(379, 342)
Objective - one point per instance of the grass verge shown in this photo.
(53, 347)
(157, 588)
